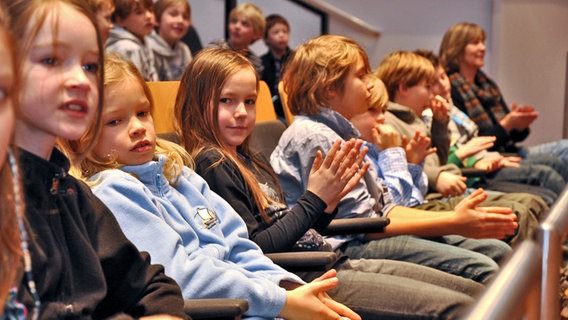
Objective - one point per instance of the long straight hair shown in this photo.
(10, 249)
(196, 110)
(24, 12)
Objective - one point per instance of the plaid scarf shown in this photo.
(480, 97)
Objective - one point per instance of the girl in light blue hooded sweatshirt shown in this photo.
(165, 208)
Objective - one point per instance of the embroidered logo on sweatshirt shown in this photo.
(208, 218)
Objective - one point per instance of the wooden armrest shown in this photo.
(356, 225)
(303, 260)
(215, 308)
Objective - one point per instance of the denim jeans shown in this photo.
(558, 148)
(388, 289)
(534, 174)
(468, 258)
(550, 160)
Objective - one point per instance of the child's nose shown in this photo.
(137, 128)
(241, 110)
(77, 77)
(370, 85)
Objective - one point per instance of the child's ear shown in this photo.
(119, 21)
(402, 90)
(256, 36)
(330, 93)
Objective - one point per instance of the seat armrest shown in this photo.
(356, 225)
(215, 308)
(303, 260)
(473, 172)
(170, 136)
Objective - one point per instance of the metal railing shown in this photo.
(551, 236)
(351, 19)
(528, 285)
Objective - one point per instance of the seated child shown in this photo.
(134, 20)
(78, 263)
(467, 149)
(11, 210)
(225, 160)
(398, 163)
(171, 54)
(246, 26)
(167, 209)
(103, 11)
(326, 84)
(276, 39)
(408, 77)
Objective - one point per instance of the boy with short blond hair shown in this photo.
(408, 78)
(134, 20)
(327, 84)
(246, 26)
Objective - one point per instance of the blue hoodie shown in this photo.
(198, 237)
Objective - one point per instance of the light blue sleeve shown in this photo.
(420, 183)
(244, 251)
(396, 174)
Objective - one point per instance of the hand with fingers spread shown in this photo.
(450, 185)
(311, 301)
(488, 164)
(474, 146)
(333, 177)
(418, 147)
(385, 136)
(483, 222)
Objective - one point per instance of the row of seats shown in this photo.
(164, 96)
(267, 130)
(523, 288)
(264, 139)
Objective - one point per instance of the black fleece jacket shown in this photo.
(83, 265)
